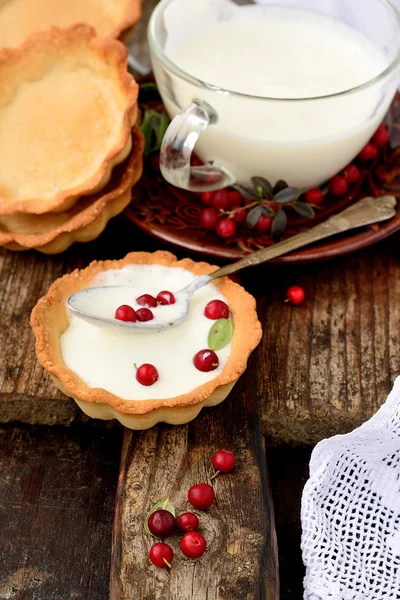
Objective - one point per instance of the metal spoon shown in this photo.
(364, 212)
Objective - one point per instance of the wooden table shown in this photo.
(67, 482)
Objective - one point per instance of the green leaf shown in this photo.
(279, 224)
(265, 185)
(153, 127)
(267, 211)
(163, 505)
(280, 185)
(304, 210)
(287, 196)
(253, 215)
(220, 334)
(246, 192)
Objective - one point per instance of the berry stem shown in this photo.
(215, 475)
(167, 563)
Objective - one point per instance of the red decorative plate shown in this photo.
(173, 215)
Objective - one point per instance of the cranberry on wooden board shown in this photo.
(224, 461)
(193, 544)
(161, 555)
(201, 496)
(161, 523)
(295, 295)
(188, 521)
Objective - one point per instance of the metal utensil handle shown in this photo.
(365, 212)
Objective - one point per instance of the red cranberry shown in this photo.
(146, 374)
(209, 218)
(240, 216)
(161, 555)
(144, 314)
(161, 523)
(296, 295)
(381, 136)
(188, 522)
(125, 313)
(220, 200)
(147, 300)
(235, 198)
(352, 173)
(206, 360)
(226, 228)
(206, 198)
(201, 496)
(314, 196)
(264, 224)
(195, 161)
(338, 185)
(166, 298)
(193, 544)
(224, 461)
(216, 309)
(369, 152)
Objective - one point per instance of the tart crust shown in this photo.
(55, 232)
(67, 106)
(49, 320)
(19, 19)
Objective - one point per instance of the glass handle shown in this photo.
(177, 147)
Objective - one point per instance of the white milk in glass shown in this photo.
(282, 53)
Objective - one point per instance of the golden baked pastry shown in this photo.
(67, 106)
(102, 356)
(21, 18)
(55, 232)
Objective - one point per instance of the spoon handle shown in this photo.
(365, 212)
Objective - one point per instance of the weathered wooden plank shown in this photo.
(56, 509)
(326, 366)
(241, 559)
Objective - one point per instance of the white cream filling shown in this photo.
(105, 359)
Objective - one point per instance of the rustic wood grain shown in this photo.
(326, 366)
(241, 559)
(56, 509)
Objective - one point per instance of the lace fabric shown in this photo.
(351, 512)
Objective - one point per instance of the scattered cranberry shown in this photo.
(220, 200)
(264, 224)
(352, 173)
(161, 523)
(166, 298)
(201, 496)
(381, 136)
(314, 196)
(161, 555)
(147, 300)
(206, 360)
(369, 152)
(338, 185)
(240, 216)
(144, 314)
(193, 544)
(235, 198)
(188, 522)
(216, 309)
(206, 198)
(209, 218)
(146, 374)
(295, 295)
(224, 461)
(226, 228)
(125, 313)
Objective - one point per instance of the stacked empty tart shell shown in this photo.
(70, 147)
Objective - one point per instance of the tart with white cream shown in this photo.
(102, 369)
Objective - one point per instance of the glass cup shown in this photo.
(304, 141)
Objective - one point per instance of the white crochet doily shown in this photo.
(351, 512)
